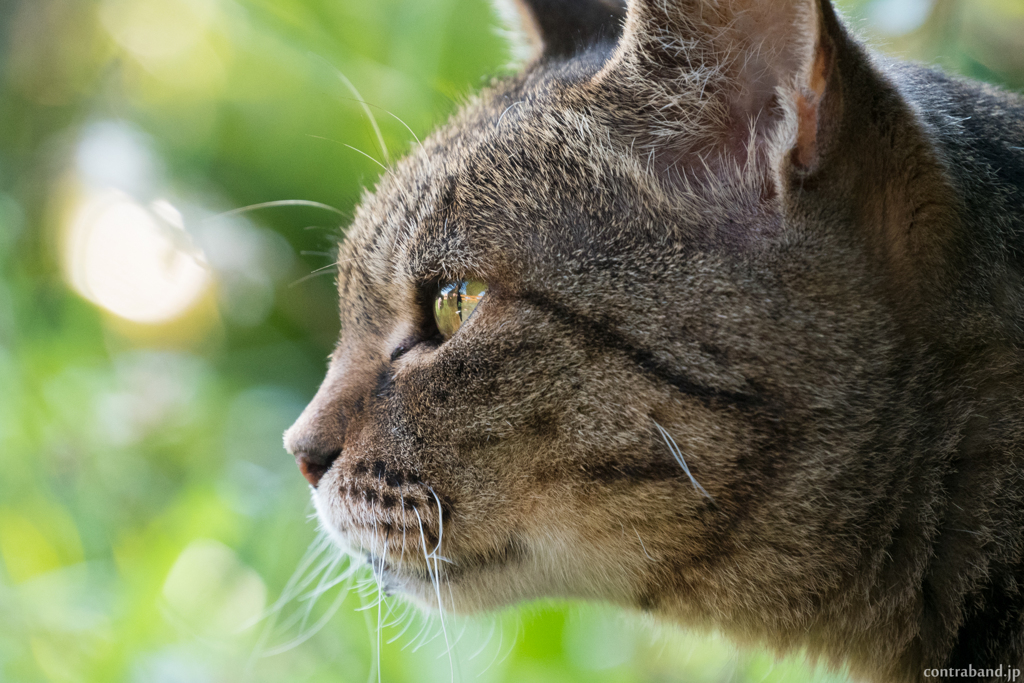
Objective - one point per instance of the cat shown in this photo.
(709, 312)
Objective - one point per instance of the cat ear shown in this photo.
(731, 81)
(561, 28)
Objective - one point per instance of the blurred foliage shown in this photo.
(148, 514)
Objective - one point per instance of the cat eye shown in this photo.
(455, 302)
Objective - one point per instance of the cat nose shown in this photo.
(314, 464)
(312, 458)
(314, 448)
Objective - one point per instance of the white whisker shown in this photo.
(388, 112)
(512, 645)
(497, 652)
(411, 619)
(386, 169)
(487, 641)
(313, 630)
(380, 595)
(375, 666)
(296, 582)
(435, 579)
(315, 594)
(419, 635)
(678, 456)
(428, 638)
(399, 617)
(642, 544)
(507, 109)
(369, 114)
(299, 576)
(325, 270)
(440, 523)
(275, 203)
(344, 576)
(462, 631)
(401, 511)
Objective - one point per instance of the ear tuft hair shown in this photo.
(732, 86)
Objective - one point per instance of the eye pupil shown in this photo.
(455, 302)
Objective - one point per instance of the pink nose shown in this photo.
(313, 468)
(313, 459)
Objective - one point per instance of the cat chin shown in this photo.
(467, 594)
(470, 595)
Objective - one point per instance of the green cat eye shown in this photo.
(455, 302)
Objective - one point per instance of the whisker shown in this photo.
(462, 631)
(497, 652)
(372, 605)
(386, 111)
(315, 594)
(276, 203)
(642, 544)
(512, 645)
(363, 153)
(327, 267)
(411, 131)
(398, 617)
(310, 577)
(366, 110)
(419, 635)
(300, 618)
(313, 630)
(427, 640)
(440, 522)
(341, 578)
(319, 272)
(423, 629)
(390, 613)
(412, 618)
(291, 588)
(678, 455)
(507, 109)
(380, 592)
(375, 667)
(487, 641)
(387, 171)
(401, 511)
(435, 579)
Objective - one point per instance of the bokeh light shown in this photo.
(135, 261)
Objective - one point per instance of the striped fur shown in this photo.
(724, 236)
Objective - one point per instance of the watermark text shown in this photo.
(1008, 673)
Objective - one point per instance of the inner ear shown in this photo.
(808, 99)
(728, 83)
(563, 28)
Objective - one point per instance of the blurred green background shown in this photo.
(153, 349)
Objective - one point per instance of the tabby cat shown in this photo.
(708, 312)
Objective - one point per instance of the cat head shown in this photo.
(620, 329)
